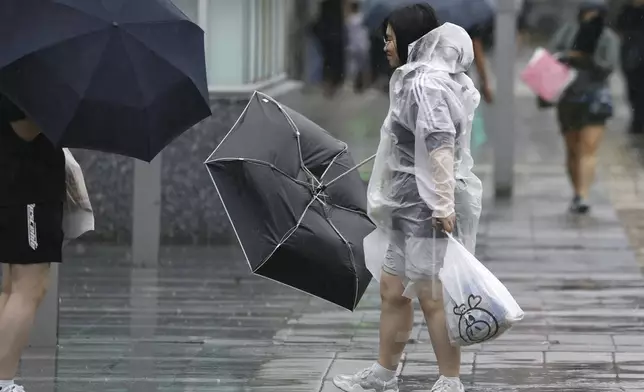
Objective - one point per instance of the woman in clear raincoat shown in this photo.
(422, 186)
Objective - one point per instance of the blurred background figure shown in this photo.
(630, 25)
(310, 50)
(592, 48)
(358, 46)
(479, 34)
(329, 29)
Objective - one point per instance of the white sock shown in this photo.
(5, 384)
(383, 373)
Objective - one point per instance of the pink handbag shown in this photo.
(546, 76)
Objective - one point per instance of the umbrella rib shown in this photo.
(333, 160)
(232, 223)
(351, 257)
(61, 42)
(232, 129)
(297, 137)
(160, 55)
(350, 170)
(148, 143)
(364, 214)
(262, 163)
(85, 13)
(288, 234)
(93, 73)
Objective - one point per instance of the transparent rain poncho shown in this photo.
(423, 166)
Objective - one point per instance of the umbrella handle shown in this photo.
(348, 171)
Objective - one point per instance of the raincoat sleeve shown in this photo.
(606, 57)
(560, 40)
(434, 152)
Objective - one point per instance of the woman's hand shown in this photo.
(486, 91)
(447, 224)
(27, 130)
(575, 54)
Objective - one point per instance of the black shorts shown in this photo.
(574, 116)
(31, 234)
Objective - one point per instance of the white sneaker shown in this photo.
(365, 381)
(448, 385)
(13, 388)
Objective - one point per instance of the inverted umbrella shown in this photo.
(120, 76)
(295, 202)
(464, 13)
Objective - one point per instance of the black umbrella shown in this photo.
(465, 13)
(296, 203)
(121, 76)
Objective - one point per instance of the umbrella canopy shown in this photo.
(464, 13)
(120, 76)
(297, 206)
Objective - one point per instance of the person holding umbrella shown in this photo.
(422, 186)
(32, 173)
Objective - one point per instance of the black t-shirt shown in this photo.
(30, 172)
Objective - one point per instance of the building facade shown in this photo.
(247, 46)
(246, 41)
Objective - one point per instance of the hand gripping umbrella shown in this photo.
(120, 76)
(296, 203)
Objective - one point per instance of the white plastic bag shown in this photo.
(78, 216)
(478, 307)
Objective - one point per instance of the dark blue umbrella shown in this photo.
(464, 13)
(120, 76)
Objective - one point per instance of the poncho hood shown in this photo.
(447, 48)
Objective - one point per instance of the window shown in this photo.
(245, 39)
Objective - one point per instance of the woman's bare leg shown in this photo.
(28, 287)
(448, 356)
(588, 144)
(572, 159)
(6, 285)
(396, 321)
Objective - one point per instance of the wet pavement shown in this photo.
(201, 322)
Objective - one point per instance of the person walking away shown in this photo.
(329, 30)
(478, 34)
(422, 186)
(630, 25)
(483, 39)
(32, 173)
(357, 47)
(592, 48)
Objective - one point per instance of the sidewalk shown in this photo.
(201, 322)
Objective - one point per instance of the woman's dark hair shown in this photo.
(593, 5)
(589, 33)
(409, 24)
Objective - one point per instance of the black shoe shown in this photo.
(579, 206)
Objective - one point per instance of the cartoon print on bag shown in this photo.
(476, 324)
